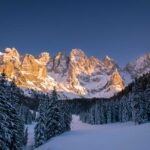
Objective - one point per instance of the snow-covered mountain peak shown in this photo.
(95, 61)
(8, 50)
(110, 64)
(44, 57)
(76, 54)
(140, 61)
(73, 76)
(137, 68)
(107, 58)
(60, 55)
(10, 54)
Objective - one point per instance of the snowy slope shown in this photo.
(117, 136)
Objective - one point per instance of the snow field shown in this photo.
(117, 136)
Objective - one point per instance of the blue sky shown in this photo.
(118, 28)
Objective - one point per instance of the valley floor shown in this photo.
(117, 136)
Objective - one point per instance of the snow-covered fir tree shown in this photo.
(40, 131)
(137, 104)
(66, 116)
(11, 125)
(54, 118)
(40, 128)
(147, 100)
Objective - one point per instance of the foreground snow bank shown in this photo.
(118, 136)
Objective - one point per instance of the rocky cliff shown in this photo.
(75, 75)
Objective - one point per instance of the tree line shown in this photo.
(131, 104)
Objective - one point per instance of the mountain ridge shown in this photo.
(73, 76)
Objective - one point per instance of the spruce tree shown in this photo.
(137, 104)
(147, 102)
(53, 116)
(40, 128)
(109, 112)
(40, 131)
(66, 116)
(11, 125)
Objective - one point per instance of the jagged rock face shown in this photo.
(137, 68)
(84, 76)
(110, 64)
(31, 65)
(44, 58)
(28, 71)
(73, 76)
(11, 55)
(58, 64)
(116, 80)
(9, 61)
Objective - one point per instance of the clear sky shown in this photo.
(118, 28)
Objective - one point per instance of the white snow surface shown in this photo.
(117, 136)
(30, 143)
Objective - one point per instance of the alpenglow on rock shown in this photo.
(72, 76)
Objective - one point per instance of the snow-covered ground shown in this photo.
(117, 136)
(30, 142)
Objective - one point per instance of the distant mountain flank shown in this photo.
(73, 76)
